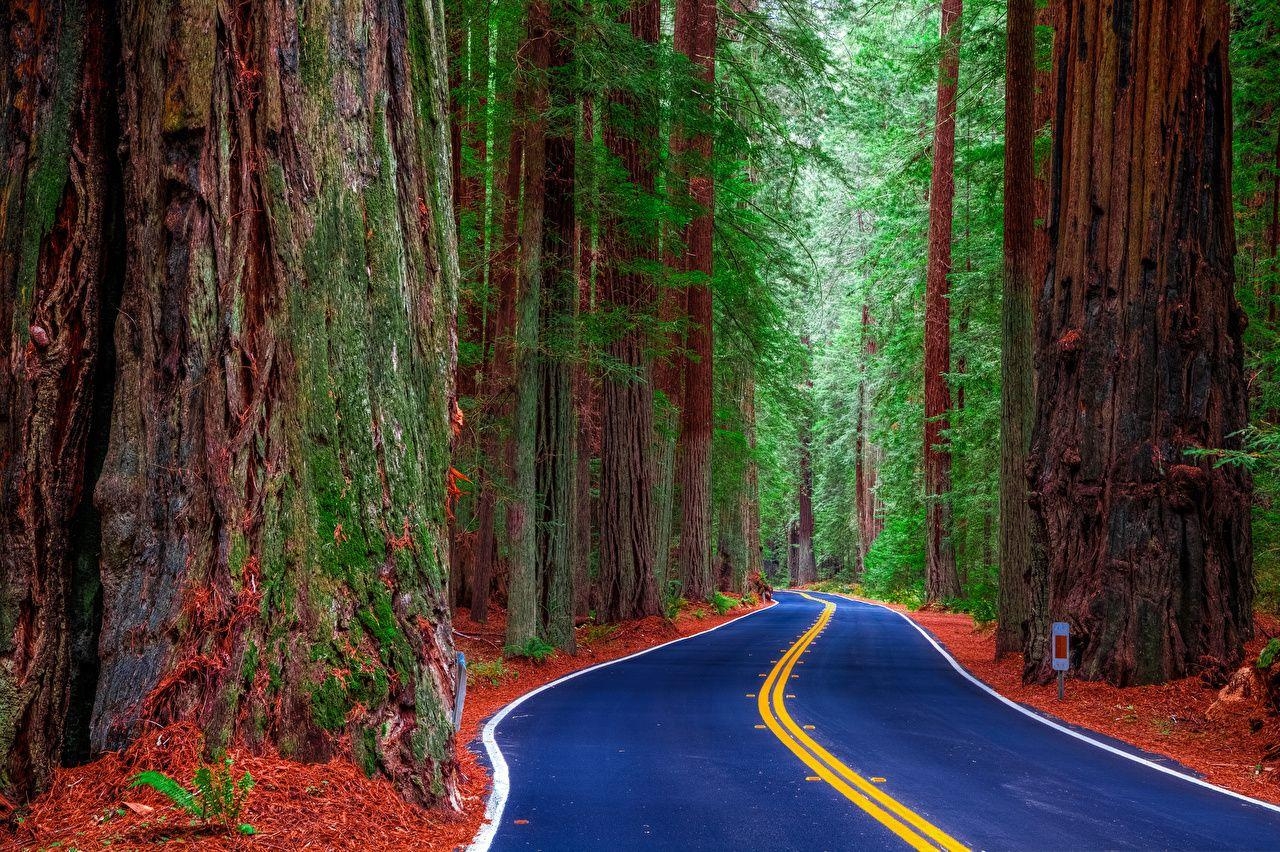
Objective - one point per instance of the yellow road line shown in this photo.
(916, 831)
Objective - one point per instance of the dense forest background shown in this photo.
(324, 321)
(823, 120)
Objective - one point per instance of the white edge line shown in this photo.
(1052, 724)
(502, 776)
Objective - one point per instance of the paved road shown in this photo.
(823, 723)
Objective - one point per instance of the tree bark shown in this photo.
(60, 198)
(1147, 550)
(695, 37)
(1017, 405)
(523, 616)
(585, 394)
(627, 584)
(272, 500)
(941, 579)
(557, 430)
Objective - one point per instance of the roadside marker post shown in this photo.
(459, 690)
(1061, 652)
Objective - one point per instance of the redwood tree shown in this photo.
(941, 579)
(1017, 405)
(695, 37)
(1146, 546)
(271, 504)
(628, 588)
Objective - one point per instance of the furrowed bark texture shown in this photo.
(941, 579)
(585, 395)
(273, 532)
(628, 588)
(556, 466)
(53, 232)
(1147, 550)
(522, 590)
(1017, 403)
(695, 37)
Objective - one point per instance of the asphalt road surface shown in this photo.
(824, 723)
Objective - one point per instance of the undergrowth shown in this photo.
(723, 603)
(495, 671)
(536, 649)
(217, 800)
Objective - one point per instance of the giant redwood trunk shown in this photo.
(1017, 404)
(58, 222)
(941, 579)
(695, 37)
(1146, 549)
(272, 508)
(628, 588)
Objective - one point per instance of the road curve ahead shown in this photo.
(823, 724)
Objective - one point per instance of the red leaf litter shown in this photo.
(1225, 741)
(325, 806)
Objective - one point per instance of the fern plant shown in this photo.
(218, 798)
(723, 603)
(535, 649)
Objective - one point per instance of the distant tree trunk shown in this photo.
(496, 387)
(523, 616)
(867, 460)
(806, 567)
(627, 584)
(733, 503)
(584, 391)
(695, 37)
(751, 521)
(668, 381)
(1147, 551)
(941, 579)
(1017, 405)
(272, 503)
(806, 563)
(556, 429)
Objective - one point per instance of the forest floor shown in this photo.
(1223, 740)
(328, 806)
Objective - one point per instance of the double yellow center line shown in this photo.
(918, 832)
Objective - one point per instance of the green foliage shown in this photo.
(594, 634)
(495, 671)
(217, 797)
(1268, 655)
(534, 648)
(723, 603)
(673, 601)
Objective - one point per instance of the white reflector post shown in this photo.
(1061, 642)
(1061, 646)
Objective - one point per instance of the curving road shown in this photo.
(824, 723)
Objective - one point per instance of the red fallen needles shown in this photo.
(298, 806)
(1182, 719)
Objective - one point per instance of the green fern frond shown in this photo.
(174, 791)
